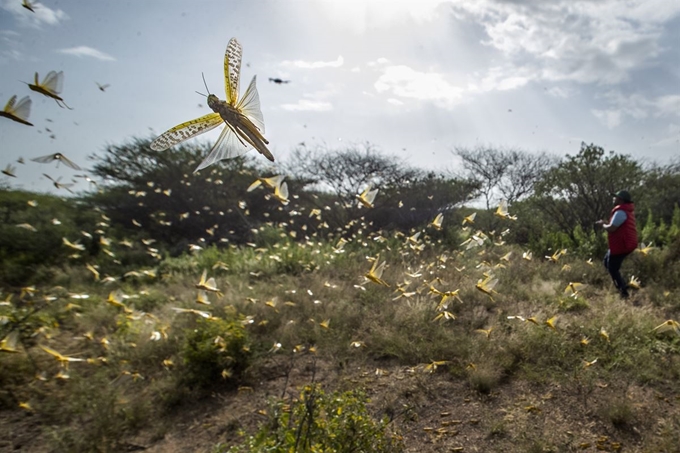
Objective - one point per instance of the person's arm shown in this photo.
(616, 221)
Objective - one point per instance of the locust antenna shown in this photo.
(206, 87)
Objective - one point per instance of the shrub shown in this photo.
(215, 351)
(619, 412)
(320, 422)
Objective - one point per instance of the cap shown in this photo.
(624, 195)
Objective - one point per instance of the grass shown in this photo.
(284, 300)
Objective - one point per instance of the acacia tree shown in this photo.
(345, 173)
(408, 196)
(578, 190)
(512, 173)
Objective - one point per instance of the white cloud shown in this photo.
(502, 79)
(382, 61)
(405, 82)
(42, 14)
(85, 51)
(394, 101)
(637, 107)
(574, 40)
(308, 105)
(610, 118)
(313, 64)
(558, 92)
(667, 105)
(49, 16)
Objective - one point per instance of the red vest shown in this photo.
(624, 239)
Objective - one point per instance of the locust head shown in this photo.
(213, 101)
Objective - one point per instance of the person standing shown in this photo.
(621, 237)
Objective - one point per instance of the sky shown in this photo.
(416, 79)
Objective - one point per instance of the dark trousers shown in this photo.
(613, 265)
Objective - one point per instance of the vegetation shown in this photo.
(231, 303)
(319, 422)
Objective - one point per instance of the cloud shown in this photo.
(599, 42)
(404, 82)
(43, 14)
(85, 51)
(308, 105)
(501, 78)
(610, 118)
(313, 64)
(558, 92)
(667, 105)
(636, 106)
(382, 61)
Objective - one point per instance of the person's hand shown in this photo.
(599, 222)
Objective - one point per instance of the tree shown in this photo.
(408, 197)
(32, 228)
(578, 190)
(512, 173)
(346, 172)
(661, 190)
(176, 206)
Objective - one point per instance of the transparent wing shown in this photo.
(22, 109)
(44, 160)
(228, 145)
(438, 220)
(378, 271)
(10, 104)
(232, 70)
(53, 82)
(186, 130)
(249, 105)
(370, 196)
(282, 191)
(69, 163)
(502, 208)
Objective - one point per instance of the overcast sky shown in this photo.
(416, 78)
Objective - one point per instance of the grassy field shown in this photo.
(293, 345)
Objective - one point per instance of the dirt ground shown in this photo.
(434, 412)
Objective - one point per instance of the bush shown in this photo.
(215, 351)
(320, 422)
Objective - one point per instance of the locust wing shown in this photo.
(53, 82)
(18, 112)
(227, 146)
(186, 131)
(249, 105)
(232, 70)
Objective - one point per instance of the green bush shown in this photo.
(215, 351)
(321, 423)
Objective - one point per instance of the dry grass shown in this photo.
(308, 306)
